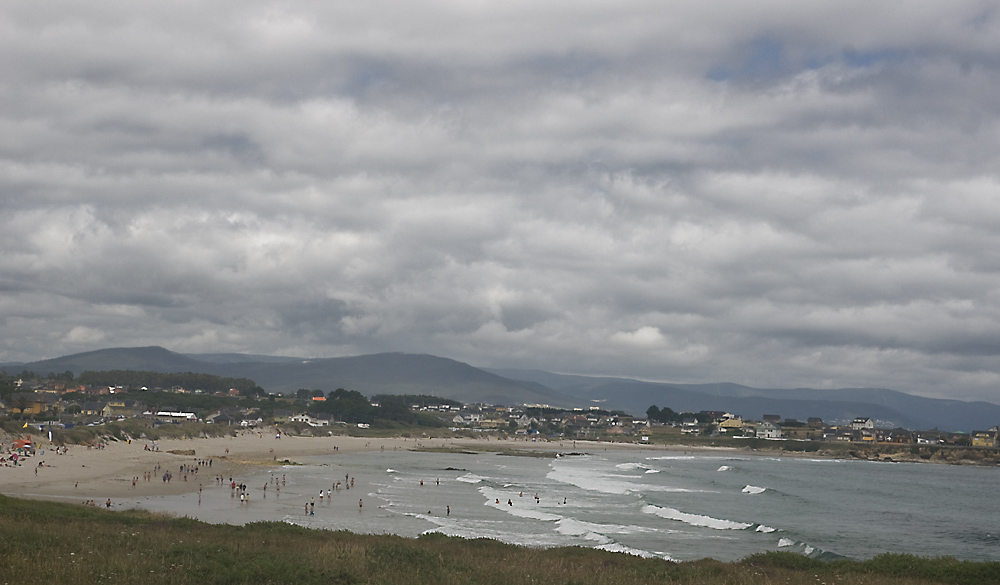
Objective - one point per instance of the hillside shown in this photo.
(888, 407)
(399, 373)
(388, 373)
(151, 359)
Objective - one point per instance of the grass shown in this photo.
(42, 542)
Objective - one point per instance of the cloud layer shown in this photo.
(769, 193)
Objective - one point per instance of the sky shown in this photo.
(778, 194)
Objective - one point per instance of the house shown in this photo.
(862, 423)
(768, 430)
(129, 408)
(731, 424)
(92, 408)
(899, 436)
(175, 415)
(690, 426)
(815, 422)
(31, 402)
(984, 438)
(526, 421)
(221, 418)
(313, 420)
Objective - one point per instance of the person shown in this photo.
(361, 504)
(448, 510)
(108, 503)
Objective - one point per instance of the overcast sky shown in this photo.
(777, 194)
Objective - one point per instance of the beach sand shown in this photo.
(84, 473)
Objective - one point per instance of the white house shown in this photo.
(862, 423)
(768, 430)
(313, 421)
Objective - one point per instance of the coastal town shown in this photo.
(47, 404)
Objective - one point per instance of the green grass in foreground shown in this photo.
(42, 542)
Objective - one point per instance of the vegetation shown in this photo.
(63, 543)
(663, 415)
(190, 381)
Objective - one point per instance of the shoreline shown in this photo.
(86, 473)
(89, 473)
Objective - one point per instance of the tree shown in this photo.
(663, 415)
(21, 403)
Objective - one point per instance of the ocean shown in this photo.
(659, 504)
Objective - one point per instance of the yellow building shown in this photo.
(984, 438)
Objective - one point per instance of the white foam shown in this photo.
(752, 489)
(765, 529)
(590, 479)
(521, 510)
(469, 478)
(808, 550)
(695, 519)
(652, 471)
(572, 526)
(785, 542)
(621, 548)
(631, 466)
(724, 468)
(391, 471)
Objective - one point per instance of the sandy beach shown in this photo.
(87, 473)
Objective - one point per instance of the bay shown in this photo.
(663, 504)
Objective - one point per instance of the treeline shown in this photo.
(187, 380)
(663, 415)
(351, 406)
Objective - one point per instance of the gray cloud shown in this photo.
(770, 194)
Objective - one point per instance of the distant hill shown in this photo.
(388, 373)
(149, 359)
(888, 407)
(399, 373)
(241, 358)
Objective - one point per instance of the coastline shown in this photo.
(85, 473)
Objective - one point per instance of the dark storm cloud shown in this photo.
(775, 194)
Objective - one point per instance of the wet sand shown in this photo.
(84, 473)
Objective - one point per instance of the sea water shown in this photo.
(673, 506)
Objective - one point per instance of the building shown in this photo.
(731, 425)
(768, 430)
(862, 423)
(984, 438)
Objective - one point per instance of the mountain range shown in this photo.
(400, 373)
